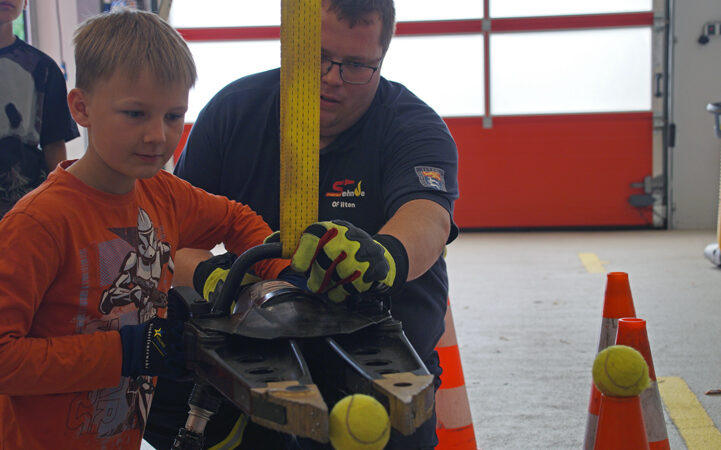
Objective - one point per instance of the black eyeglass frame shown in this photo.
(340, 68)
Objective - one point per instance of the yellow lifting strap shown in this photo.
(299, 118)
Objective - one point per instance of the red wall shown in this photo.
(183, 140)
(549, 171)
(552, 171)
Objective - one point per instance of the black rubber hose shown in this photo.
(231, 287)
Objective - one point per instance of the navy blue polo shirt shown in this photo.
(400, 150)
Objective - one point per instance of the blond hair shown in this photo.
(131, 41)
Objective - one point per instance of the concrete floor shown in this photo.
(528, 317)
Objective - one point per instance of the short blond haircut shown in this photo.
(130, 42)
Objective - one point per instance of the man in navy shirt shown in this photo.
(388, 165)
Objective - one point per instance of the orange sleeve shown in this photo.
(33, 362)
(207, 220)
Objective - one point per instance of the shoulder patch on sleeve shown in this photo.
(431, 177)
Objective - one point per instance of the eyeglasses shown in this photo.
(350, 72)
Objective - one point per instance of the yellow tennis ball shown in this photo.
(620, 371)
(359, 422)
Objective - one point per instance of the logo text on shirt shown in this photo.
(347, 190)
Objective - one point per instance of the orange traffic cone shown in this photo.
(620, 424)
(632, 332)
(454, 425)
(617, 303)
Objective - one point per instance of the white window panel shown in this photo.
(219, 63)
(239, 13)
(444, 71)
(534, 8)
(421, 10)
(224, 13)
(417, 62)
(571, 71)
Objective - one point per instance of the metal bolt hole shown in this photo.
(296, 388)
(377, 362)
(249, 359)
(367, 351)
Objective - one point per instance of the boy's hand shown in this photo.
(341, 260)
(209, 276)
(154, 348)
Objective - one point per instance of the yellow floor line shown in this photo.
(592, 263)
(692, 421)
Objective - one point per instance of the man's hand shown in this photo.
(341, 260)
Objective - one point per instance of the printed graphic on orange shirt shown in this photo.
(140, 272)
(135, 268)
(431, 177)
(111, 411)
(347, 191)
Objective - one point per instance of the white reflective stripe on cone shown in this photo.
(453, 403)
(449, 336)
(609, 328)
(591, 428)
(653, 414)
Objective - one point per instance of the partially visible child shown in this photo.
(86, 259)
(34, 119)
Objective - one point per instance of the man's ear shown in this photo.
(78, 103)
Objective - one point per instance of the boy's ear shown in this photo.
(78, 103)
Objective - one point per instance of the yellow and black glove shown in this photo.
(209, 276)
(341, 260)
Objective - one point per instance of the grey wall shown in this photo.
(45, 35)
(696, 82)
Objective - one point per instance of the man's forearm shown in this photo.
(423, 227)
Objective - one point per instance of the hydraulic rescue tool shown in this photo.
(282, 354)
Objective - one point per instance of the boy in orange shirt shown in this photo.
(86, 259)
